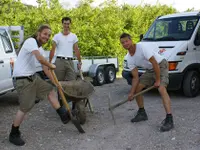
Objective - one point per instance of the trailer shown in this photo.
(102, 70)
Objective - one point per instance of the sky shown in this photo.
(180, 5)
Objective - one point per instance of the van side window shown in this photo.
(197, 38)
(6, 42)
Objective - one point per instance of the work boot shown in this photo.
(15, 137)
(141, 116)
(64, 115)
(167, 124)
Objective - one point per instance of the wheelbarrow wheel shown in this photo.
(80, 111)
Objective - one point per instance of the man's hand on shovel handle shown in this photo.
(130, 96)
(52, 66)
(79, 65)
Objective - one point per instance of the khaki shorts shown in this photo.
(29, 90)
(148, 78)
(65, 70)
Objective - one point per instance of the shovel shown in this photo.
(73, 119)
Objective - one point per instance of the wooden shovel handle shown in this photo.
(124, 101)
(61, 92)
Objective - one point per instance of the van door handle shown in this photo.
(194, 48)
(1, 61)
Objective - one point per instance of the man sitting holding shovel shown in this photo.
(156, 73)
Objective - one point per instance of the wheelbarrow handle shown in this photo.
(81, 74)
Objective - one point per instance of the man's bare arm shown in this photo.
(156, 67)
(52, 52)
(48, 73)
(42, 60)
(77, 52)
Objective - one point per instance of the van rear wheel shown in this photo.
(191, 84)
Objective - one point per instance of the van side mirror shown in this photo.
(141, 37)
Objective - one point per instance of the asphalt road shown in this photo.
(43, 130)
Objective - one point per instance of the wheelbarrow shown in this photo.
(78, 92)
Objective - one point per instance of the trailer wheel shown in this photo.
(110, 74)
(191, 84)
(99, 79)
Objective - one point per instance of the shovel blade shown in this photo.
(77, 125)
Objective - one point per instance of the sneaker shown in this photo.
(167, 124)
(141, 116)
(16, 139)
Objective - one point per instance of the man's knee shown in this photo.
(26, 109)
(162, 90)
(140, 87)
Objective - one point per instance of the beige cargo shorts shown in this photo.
(65, 70)
(29, 89)
(149, 77)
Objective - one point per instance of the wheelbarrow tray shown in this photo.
(76, 90)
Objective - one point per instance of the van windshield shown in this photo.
(172, 29)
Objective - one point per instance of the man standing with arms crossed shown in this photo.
(156, 74)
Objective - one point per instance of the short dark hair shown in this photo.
(124, 35)
(66, 19)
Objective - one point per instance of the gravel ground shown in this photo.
(43, 130)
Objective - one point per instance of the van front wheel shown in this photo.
(191, 84)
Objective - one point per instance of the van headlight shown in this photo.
(172, 66)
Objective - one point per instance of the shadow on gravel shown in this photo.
(9, 99)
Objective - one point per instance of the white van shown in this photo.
(7, 57)
(177, 38)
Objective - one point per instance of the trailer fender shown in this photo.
(93, 68)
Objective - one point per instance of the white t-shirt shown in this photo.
(64, 44)
(141, 58)
(25, 63)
